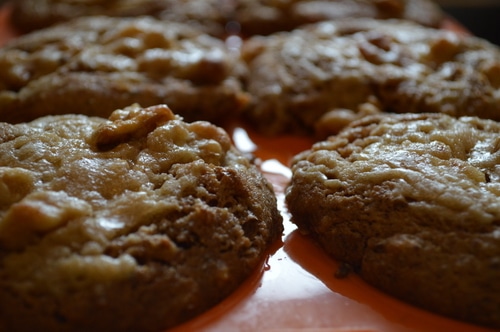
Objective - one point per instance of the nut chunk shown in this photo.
(130, 123)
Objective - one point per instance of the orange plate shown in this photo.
(295, 289)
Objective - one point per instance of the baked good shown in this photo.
(136, 223)
(265, 17)
(412, 203)
(95, 65)
(208, 15)
(321, 77)
(222, 17)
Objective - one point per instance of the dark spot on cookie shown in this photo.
(487, 177)
(344, 270)
(251, 228)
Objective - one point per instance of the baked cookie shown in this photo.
(222, 17)
(265, 17)
(412, 203)
(208, 15)
(95, 65)
(136, 223)
(323, 76)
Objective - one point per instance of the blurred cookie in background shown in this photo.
(95, 65)
(319, 78)
(209, 15)
(222, 17)
(265, 17)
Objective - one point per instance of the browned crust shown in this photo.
(385, 196)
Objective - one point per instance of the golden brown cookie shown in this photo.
(412, 203)
(266, 17)
(136, 223)
(222, 17)
(95, 65)
(208, 15)
(323, 76)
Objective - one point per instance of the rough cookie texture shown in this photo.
(324, 76)
(136, 223)
(412, 202)
(95, 65)
(222, 17)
